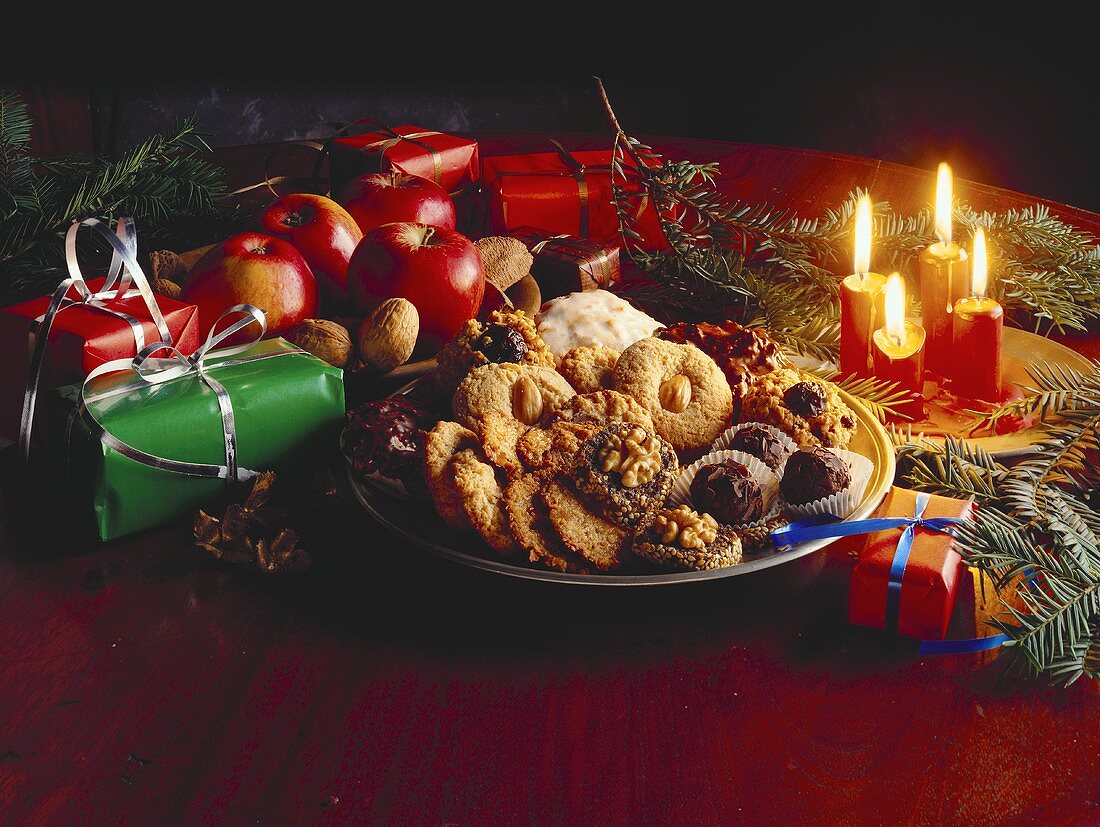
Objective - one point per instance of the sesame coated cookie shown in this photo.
(589, 368)
(809, 410)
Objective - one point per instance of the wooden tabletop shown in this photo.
(140, 682)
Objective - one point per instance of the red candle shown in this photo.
(977, 331)
(944, 279)
(898, 351)
(861, 300)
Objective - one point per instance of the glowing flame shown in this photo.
(943, 204)
(895, 308)
(863, 235)
(979, 276)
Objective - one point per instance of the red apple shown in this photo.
(438, 270)
(324, 233)
(386, 197)
(257, 269)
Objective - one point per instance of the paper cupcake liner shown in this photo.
(764, 476)
(724, 439)
(842, 503)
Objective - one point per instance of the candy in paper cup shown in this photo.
(764, 476)
(726, 437)
(842, 503)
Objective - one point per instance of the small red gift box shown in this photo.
(562, 193)
(566, 264)
(81, 338)
(931, 576)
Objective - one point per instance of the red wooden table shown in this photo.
(142, 683)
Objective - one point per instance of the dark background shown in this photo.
(1010, 99)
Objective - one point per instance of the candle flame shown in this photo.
(863, 235)
(895, 308)
(943, 204)
(979, 266)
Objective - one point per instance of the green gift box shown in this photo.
(286, 405)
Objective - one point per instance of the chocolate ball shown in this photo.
(758, 441)
(727, 491)
(807, 399)
(813, 474)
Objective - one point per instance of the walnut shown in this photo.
(506, 260)
(527, 404)
(165, 287)
(387, 337)
(675, 393)
(635, 455)
(685, 528)
(327, 340)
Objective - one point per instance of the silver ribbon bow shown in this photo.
(123, 272)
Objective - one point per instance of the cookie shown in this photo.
(440, 446)
(603, 408)
(529, 520)
(589, 368)
(482, 501)
(686, 540)
(507, 336)
(597, 540)
(810, 411)
(685, 392)
(555, 447)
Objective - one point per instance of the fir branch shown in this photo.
(878, 396)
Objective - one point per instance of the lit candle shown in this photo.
(899, 350)
(944, 279)
(861, 300)
(977, 330)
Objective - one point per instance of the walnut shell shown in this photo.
(387, 336)
(327, 340)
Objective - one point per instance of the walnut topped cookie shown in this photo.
(679, 538)
(507, 337)
(811, 412)
(685, 392)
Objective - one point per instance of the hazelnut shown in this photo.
(675, 393)
(527, 404)
(387, 337)
(327, 340)
(685, 528)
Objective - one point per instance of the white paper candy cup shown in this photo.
(726, 437)
(842, 503)
(765, 478)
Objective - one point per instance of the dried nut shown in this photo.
(164, 264)
(527, 404)
(388, 336)
(635, 456)
(164, 287)
(685, 528)
(327, 340)
(675, 393)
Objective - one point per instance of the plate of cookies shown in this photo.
(592, 444)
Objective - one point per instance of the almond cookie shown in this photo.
(508, 336)
(809, 410)
(529, 520)
(441, 445)
(483, 501)
(555, 447)
(589, 368)
(597, 540)
(604, 408)
(683, 389)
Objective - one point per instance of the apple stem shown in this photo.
(428, 233)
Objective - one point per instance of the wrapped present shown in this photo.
(563, 192)
(567, 264)
(150, 440)
(57, 340)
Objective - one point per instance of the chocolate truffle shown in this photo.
(807, 399)
(759, 442)
(727, 491)
(813, 474)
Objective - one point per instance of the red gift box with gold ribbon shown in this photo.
(563, 192)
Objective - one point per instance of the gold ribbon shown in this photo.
(596, 264)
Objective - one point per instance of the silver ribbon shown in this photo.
(123, 271)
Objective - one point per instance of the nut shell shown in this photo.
(325, 339)
(388, 336)
(166, 287)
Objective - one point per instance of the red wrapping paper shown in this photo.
(932, 575)
(569, 264)
(81, 339)
(542, 191)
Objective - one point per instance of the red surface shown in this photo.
(140, 683)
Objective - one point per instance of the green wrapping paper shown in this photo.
(287, 406)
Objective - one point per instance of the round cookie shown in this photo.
(809, 410)
(589, 368)
(604, 408)
(530, 523)
(685, 392)
(657, 544)
(482, 500)
(600, 542)
(555, 447)
(441, 445)
(507, 336)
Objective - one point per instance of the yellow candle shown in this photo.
(944, 279)
(977, 333)
(861, 300)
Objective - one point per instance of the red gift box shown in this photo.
(566, 264)
(562, 193)
(930, 581)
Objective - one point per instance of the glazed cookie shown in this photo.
(683, 389)
(440, 446)
(604, 408)
(529, 520)
(683, 539)
(600, 542)
(555, 447)
(508, 336)
(483, 501)
(628, 470)
(810, 411)
(589, 368)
